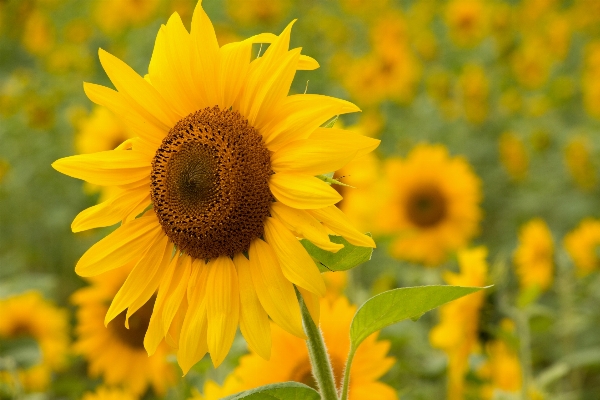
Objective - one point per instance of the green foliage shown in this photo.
(347, 258)
(278, 391)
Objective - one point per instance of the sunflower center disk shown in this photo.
(210, 184)
(426, 207)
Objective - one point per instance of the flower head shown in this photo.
(215, 189)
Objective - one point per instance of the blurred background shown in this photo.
(488, 113)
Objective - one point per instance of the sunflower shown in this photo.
(513, 155)
(115, 352)
(29, 315)
(432, 204)
(215, 189)
(290, 362)
(533, 258)
(467, 21)
(456, 334)
(582, 245)
(100, 131)
(104, 393)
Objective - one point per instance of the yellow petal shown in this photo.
(117, 103)
(177, 290)
(112, 211)
(305, 225)
(193, 339)
(275, 292)
(342, 138)
(222, 307)
(313, 303)
(299, 115)
(307, 63)
(233, 70)
(106, 168)
(254, 321)
(139, 278)
(335, 219)
(205, 56)
(144, 97)
(123, 245)
(296, 264)
(302, 191)
(312, 157)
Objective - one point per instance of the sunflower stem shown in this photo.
(346, 384)
(319, 358)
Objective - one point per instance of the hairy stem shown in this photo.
(319, 359)
(346, 384)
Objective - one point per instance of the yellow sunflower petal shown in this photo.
(139, 278)
(120, 247)
(112, 210)
(313, 303)
(312, 157)
(142, 94)
(335, 219)
(177, 291)
(299, 115)
(205, 56)
(296, 264)
(275, 292)
(254, 321)
(333, 137)
(193, 338)
(307, 63)
(222, 307)
(304, 225)
(106, 168)
(233, 69)
(116, 103)
(302, 191)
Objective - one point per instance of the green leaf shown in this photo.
(278, 391)
(396, 305)
(25, 351)
(331, 181)
(347, 258)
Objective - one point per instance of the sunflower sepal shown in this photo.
(348, 257)
(281, 391)
(328, 179)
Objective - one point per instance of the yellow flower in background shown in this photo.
(513, 155)
(579, 163)
(112, 16)
(441, 89)
(583, 245)
(591, 79)
(365, 8)
(218, 139)
(38, 33)
(531, 62)
(475, 92)
(29, 315)
(252, 12)
(502, 370)
(456, 334)
(100, 131)
(214, 391)
(105, 393)
(115, 352)
(289, 359)
(467, 21)
(534, 257)
(431, 206)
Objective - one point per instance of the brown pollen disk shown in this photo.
(210, 184)
(426, 207)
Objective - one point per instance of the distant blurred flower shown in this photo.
(467, 21)
(456, 334)
(213, 391)
(336, 283)
(513, 155)
(100, 131)
(475, 92)
(257, 12)
(502, 370)
(591, 79)
(441, 89)
(4, 168)
(511, 101)
(38, 33)
(579, 163)
(365, 8)
(533, 258)
(432, 204)
(531, 62)
(583, 245)
(113, 16)
(105, 393)
(558, 32)
(289, 359)
(115, 352)
(29, 315)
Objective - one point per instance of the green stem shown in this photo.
(347, 374)
(319, 359)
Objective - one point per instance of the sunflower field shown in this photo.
(300, 200)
